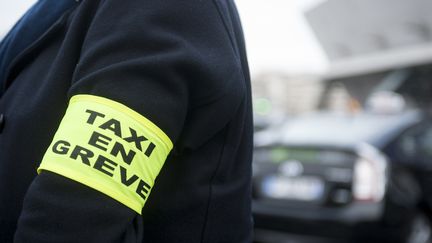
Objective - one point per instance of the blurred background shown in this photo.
(343, 133)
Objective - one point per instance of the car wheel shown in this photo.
(420, 230)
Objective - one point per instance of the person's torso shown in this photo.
(203, 192)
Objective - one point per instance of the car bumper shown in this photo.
(352, 214)
(342, 222)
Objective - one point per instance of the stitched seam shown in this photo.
(222, 152)
(225, 24)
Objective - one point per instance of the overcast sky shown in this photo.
(278, 37)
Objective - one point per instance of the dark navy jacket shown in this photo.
(182, 65)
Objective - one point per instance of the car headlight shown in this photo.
(370, 174)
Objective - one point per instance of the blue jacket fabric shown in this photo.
(181, 64)
(25, 31)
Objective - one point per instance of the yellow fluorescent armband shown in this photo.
(108, 147)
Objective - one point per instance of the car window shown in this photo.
(425, 143)
(415, 145)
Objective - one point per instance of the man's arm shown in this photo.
(142, 65)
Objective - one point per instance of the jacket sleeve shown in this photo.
(142, 66)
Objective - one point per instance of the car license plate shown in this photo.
(294, 188)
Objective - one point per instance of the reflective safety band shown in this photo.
(108, 147)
